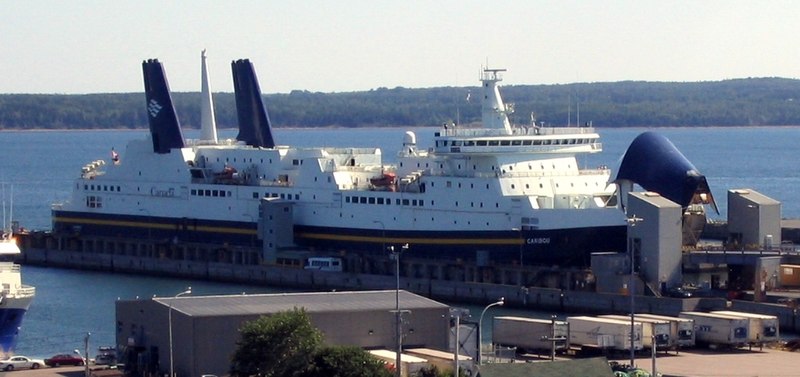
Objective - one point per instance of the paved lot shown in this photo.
(47, 372)
(717, 363)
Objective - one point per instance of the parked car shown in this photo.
(20, 362)
(64, 359)
(106, 356)
(679, 292)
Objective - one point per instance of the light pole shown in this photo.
(169, 316)
(397, 331)
(86, 349)
(457, 313)
(501, 301)
(631, 223)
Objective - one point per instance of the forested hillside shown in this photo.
(752, 102)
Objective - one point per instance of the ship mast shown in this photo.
(494, 111)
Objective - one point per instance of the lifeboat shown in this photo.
(385, 181)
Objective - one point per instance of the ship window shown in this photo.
(456, 204)
(471, 185)
(397, 201)
(296, 196)
(380, 200)
(371, 200)
(516, 142)
(421, 203)
(433, 203)
(512, 186)
(459, 184)
(469, 143)
(449, 184)
(283, 196)
(295, 162)
(505, 142)
(545, 142)
(527, 186)
(526, 142)
(85, 187)
(347, 199)
(362, 200)
(493, 143)
(481, 143)
(405, 202)
(414, 202)
(541, 185)
(208, 192)
(537, 142)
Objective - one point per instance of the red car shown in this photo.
(64, 359)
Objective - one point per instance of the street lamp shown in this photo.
(188, 291)
(397, 331)
(457, 313)
(501, 301)
(631, 223)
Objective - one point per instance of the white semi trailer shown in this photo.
(719, 329)
(764, 328)
(681, 329)
(530, 334)
(606, 333)
(652, 330)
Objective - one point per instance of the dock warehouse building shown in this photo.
(205, 329)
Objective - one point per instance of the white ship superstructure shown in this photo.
(15, 297)
(496, 191)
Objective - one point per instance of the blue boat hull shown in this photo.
(10, 321)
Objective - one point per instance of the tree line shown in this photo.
(739, 102)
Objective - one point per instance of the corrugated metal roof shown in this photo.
(228, 305)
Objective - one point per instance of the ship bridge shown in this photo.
(527, 140)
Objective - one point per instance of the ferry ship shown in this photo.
(15, 298)
(495, 192)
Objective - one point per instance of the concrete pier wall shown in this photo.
(563, 301)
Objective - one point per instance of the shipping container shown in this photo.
(763, 328)
(652, 329)
(681, 329)
(530, 334)
(606, 333)
(719, 329)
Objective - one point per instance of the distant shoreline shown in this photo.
(362, 128)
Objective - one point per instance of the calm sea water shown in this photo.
(41, 167)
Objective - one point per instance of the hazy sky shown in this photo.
(75, 46)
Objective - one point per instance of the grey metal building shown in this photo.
(205, 328)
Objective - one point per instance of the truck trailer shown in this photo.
(605, 333)
(530, 334)
(764, 328)
(681, 329)
(719, 329)
(652, 330)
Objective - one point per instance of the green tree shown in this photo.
(346, 361)
(280, 345)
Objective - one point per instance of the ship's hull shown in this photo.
(11, 313)
(564, 246)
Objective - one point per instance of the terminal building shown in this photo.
(205, 329)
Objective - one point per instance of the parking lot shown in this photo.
(62, 371)
(728, 363)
